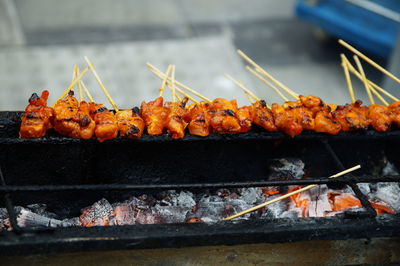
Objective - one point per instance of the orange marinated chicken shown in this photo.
(301, 114)
(352, 116)
(324, 123)
(37, 117)
(155, 116)
(245, 116)
(381, 119)
(199, 119)
(223, 118)
(323, 119)
(394, 109)
(130, 124)
(176, 123)
(73, 119)
(106, 123)
(285, 122)
(263, 116)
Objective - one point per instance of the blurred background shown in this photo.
(296, 41)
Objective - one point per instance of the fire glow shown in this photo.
(213, 206)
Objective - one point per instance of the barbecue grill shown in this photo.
(68, 174)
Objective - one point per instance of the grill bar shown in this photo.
(363, 199)
(124, 187)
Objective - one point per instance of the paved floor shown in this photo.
(45, 38)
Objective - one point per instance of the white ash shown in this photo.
(97, 213)
(173, 214)
(252, 195)
(27, 218)
(286, 168)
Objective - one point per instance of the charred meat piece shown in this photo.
(73, 119)
(352, 116)
(245, 116)
(199, 119)
(37, 117)
(223, 118)
(106, 123)
(155, 116)
(285, 122)
(263, 116)
(130, 124)
(176, 123)
(394, 109)
(381, 119)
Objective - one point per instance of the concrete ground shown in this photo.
(41, 40)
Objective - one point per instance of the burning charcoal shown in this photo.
(139, 203)
(150, 216)
(173, 214)
(252, 195)
(3, 217)
(27, 218)
(41, 210)
(210, 211)
(72, 221)
(194, 220)
(292, 213)
(98, 214)
(186, 199)
(285, 169)
(389, 169)
(365, 188)
(389, 193)
(123, 215)
(276, 209)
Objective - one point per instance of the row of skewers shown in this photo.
(81, 119)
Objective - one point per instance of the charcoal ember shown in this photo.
(389, 169)
(238, 205)
(286, 169)
(41, 210)
(98, 214)
(173, 214)
(72, 221)
(183, 199)
(211, 211)
(292, 213)
(252, 195)
(388, 192)
(141, 202)
(3, 217)
(27, 218)
(194, 220)
(124, 214)
(150, 216)
(275, 210)
(365, 188)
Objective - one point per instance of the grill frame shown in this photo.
(351, 225)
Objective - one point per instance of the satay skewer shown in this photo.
(161, 75)
(85, 89)
(165, 79)
(76, 70)
(267, 75)
(266, 82)
(240, 85)
(364, 79)
(110, 99)
(173, 83)
(348, 79)
(370, 61)
(150, 66)
(72, 85)
(288, 195)
(373, 85)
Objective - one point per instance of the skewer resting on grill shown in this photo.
(287, 195)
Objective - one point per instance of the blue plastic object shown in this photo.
(362, 28)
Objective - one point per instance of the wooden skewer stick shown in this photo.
(348, 79)
(72, 85)
(164, 81)
(288, 195)
(161, 76)
(370, 61)
(379, 96)
(240, 85)
(177, 96)
(374, 85)
(249, 97)
(267, 75)
(79, 84)
(173, 83)
(364, 79)
(266, 82)
(110, 99)
(87, 91)
(156, 70)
